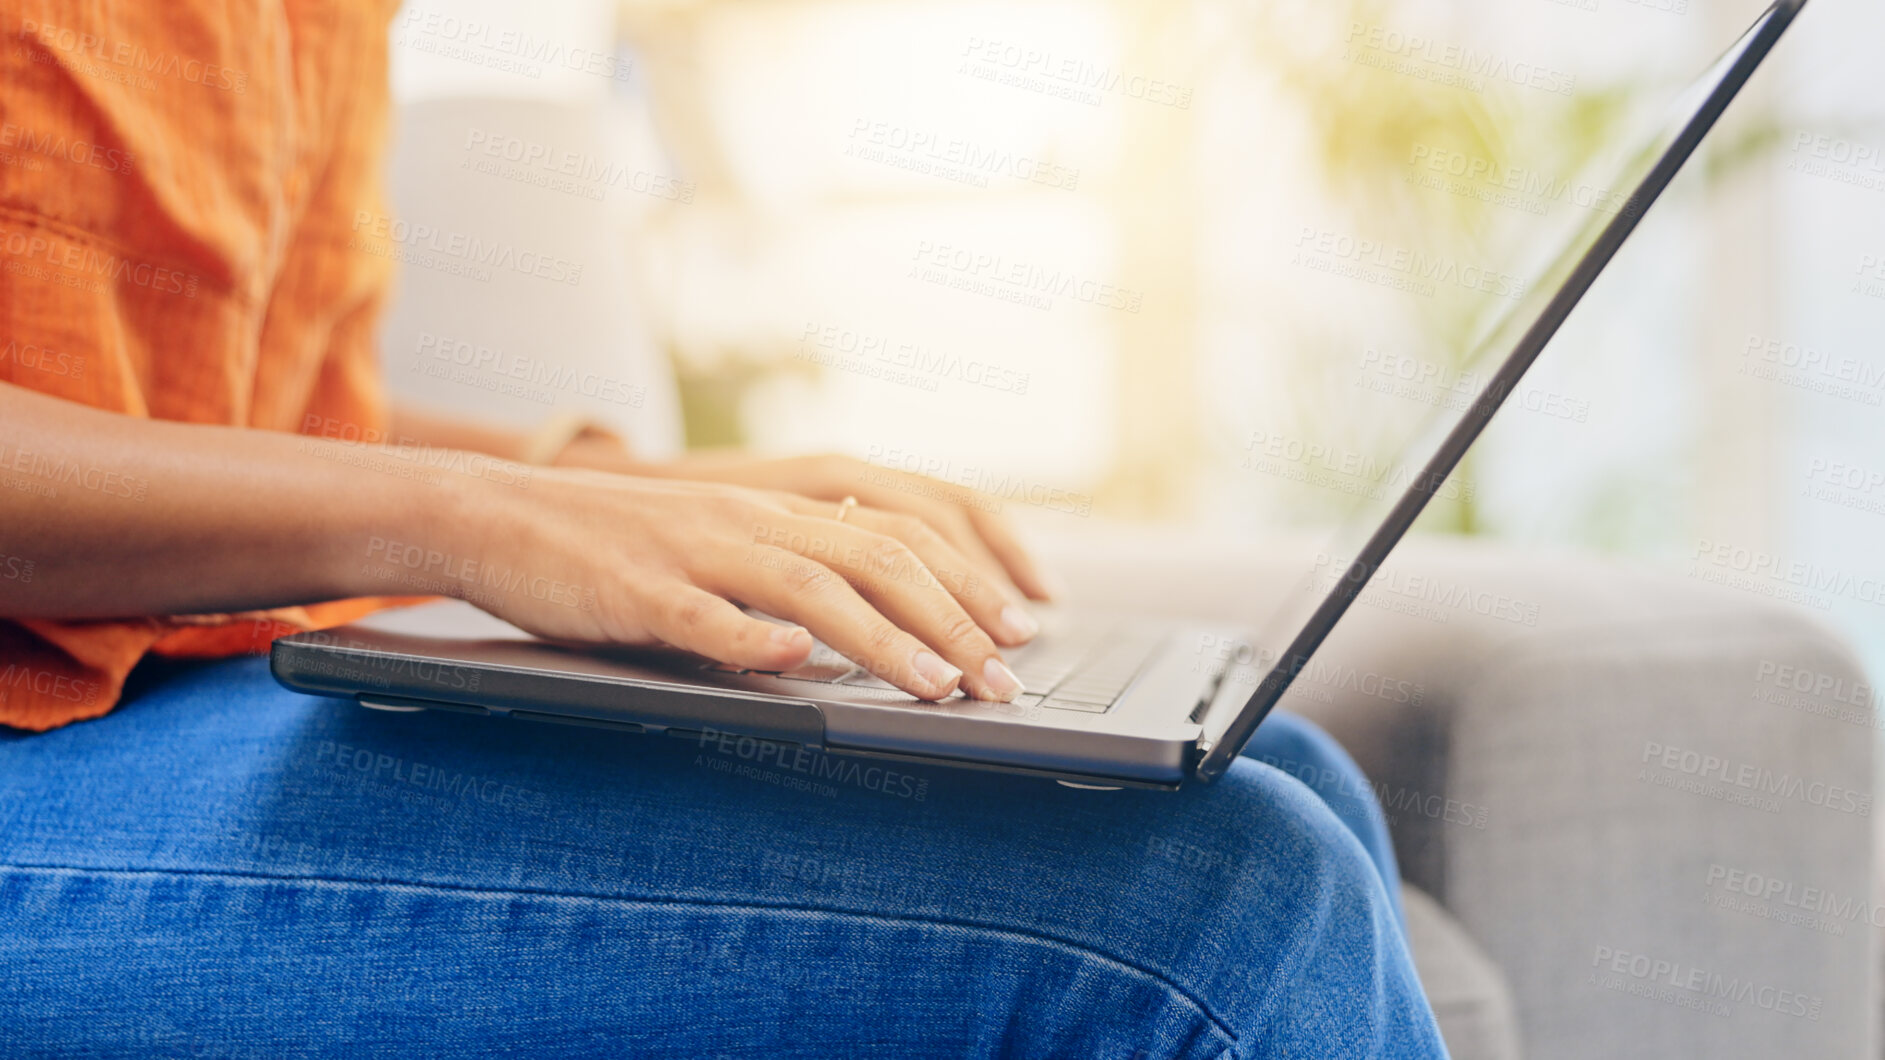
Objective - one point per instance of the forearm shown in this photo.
(126, 517)
(120, 516)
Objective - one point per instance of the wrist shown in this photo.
(408, 524)
(458, 524)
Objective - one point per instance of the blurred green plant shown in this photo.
(1369, 126)
(714, 394)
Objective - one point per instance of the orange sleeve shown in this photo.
(55, 673)
(180, 239)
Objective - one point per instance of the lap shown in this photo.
(228, 864)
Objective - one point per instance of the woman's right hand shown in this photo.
(593, 557)
(119, 516)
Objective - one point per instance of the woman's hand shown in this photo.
(968, 520)
(118, 516)
(603, 558)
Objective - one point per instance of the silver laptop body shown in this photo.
(1112, 701)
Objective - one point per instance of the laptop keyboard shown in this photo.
(1083, 667)
(1087, 673)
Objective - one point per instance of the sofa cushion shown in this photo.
(1469, 994)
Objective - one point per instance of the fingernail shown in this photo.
(791, 636)
(1003, 685)
(1019, 624)
(940, 675)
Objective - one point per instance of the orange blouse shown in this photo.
(181, 184)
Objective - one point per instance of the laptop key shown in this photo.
(1047, 666)
(1047, 662)
(1043, 674)
(824, 672)
(1099, 697)
(823, 666)
(1057, 703)
(1109, 674)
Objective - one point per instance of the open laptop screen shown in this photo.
(1519, 334)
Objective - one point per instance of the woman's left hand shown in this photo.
(969, 521)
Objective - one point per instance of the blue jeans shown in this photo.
(221, 868)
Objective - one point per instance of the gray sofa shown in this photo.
(1624, 830)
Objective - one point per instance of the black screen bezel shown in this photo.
(1214, 758)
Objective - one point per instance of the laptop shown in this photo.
(1113, 700)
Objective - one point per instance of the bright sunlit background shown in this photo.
(1214, 262)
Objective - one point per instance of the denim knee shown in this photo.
(1266, 905)
(1294, 745)
(1298, 747)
